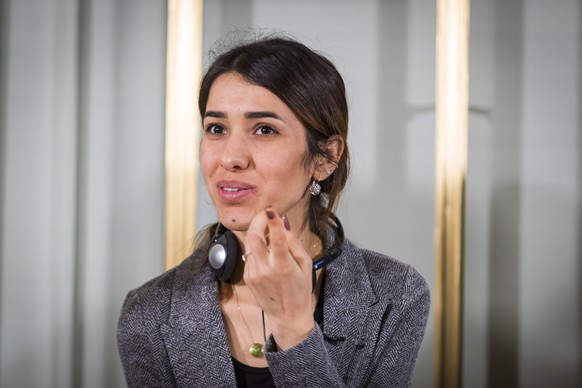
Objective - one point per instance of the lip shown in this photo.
(232, 191)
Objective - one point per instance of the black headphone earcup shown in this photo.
(223, 256)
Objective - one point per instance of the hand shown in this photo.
(278, 273)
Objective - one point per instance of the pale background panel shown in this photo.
(551, 138)
(82, 117)
(38, 163)
(524, 196)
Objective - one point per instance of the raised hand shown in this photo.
(278, 271)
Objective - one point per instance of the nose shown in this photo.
(236, 153)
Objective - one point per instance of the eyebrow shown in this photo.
(262, 115)
(217, 115)
(248, 115)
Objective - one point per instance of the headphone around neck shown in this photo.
(224, 257)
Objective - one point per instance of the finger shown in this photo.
(256, 238)
(258, 228)
(278, 238)
(256, 241)
(255, 262)
(257, 246)
(299, 253)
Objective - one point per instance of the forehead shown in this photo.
(232, 91)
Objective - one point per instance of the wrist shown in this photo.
(291, 332)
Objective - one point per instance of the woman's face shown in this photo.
(252, 154)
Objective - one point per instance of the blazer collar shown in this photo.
(347, 290)
(194, 335)
(348, 295)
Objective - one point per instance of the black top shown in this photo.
(249, 376)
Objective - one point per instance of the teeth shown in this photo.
(230, 189)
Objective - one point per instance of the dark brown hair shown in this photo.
(310, 85)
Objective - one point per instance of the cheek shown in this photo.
(287, 169)
(208, 161)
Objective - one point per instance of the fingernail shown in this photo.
(270, 213)
(286, 223)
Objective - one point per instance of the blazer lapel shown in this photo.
(194, 336)
(348, 296)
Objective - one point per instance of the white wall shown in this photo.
(82, 103)
(524, 192)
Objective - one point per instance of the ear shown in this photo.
(333, 147)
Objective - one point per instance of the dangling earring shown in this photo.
(314, 188)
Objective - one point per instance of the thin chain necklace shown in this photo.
(256, 349)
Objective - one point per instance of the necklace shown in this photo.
(256, 349)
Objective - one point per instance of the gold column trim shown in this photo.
(184, 66)
(452, 85)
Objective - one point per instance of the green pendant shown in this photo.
(256, 350)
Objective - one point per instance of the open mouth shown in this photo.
(232, 190)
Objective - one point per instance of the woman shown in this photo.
(273, 295)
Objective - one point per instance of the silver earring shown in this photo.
(314, 188)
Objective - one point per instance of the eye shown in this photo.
(214, 129)
(263, 129)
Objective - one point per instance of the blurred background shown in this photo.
(82, 102)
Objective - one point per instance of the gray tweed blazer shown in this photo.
(171, 333)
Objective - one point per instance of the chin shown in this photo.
(236, 220)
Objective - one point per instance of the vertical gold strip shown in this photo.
(184, 66)
(452, 85)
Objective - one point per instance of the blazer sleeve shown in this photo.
(305, 365)
(397, 344)
(136, 343)
(401, 335)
